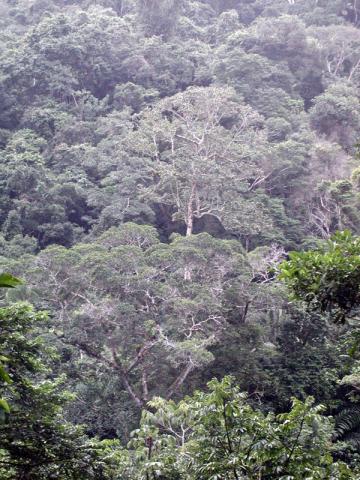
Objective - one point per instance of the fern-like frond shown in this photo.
(347, 422)
(353, 440)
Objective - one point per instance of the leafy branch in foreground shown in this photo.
(217, 435)
(6, 281)
(327, 279)
(36, 440)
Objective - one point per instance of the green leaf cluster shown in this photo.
(327, 279)
(216, 434)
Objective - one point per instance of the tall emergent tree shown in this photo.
(206, 150)
(141, 308)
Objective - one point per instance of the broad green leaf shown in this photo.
(4, 405)
(9, 281)
(4, 375)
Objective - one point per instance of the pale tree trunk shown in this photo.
(145, 385)
(187, 273)
(190, 225)
(356, 11)
(180, 379)
(339, 216)
(190, 211)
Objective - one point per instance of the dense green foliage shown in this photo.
(327, 279)
(36, 441)
(218, 435)
(107, 117)
(158, 161)
(6, 281)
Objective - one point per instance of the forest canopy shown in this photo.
(180, 229)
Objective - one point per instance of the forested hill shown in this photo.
(158, 160)
(91, 139)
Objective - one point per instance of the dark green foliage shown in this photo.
(71, 66)
(347, 426)
(327, 279)
(6, 281)
(36, 441)
(307, 361)
(336, 114)
(159, 16)
(126, 125)
(216, 434)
